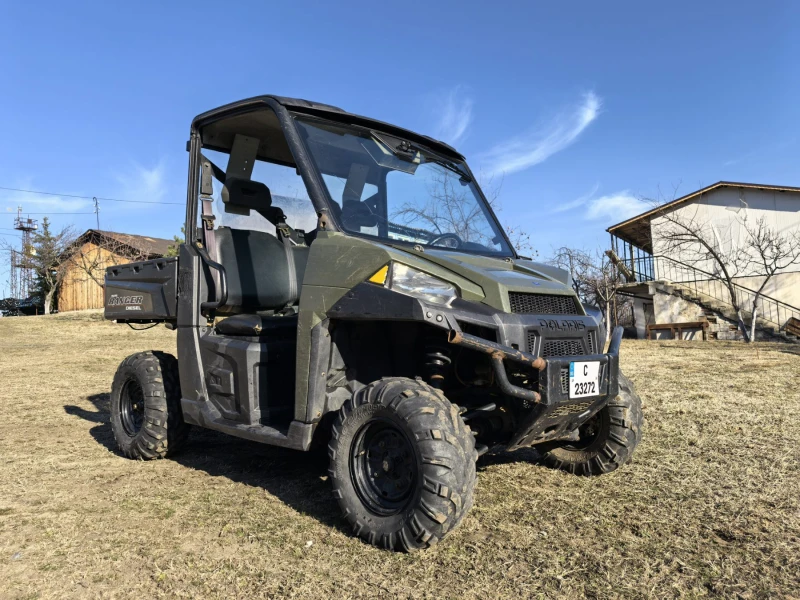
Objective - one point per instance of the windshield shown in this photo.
(389, 188)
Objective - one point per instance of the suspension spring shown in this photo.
(437, 361)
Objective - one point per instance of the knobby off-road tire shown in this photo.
(146, 415)
(402, 464)
(607, 440)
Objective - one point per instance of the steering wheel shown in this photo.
(456, 242)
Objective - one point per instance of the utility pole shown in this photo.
(97, 211)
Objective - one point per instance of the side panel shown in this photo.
(142, 291)
(336, 264)
(189, 280)
(247, 379)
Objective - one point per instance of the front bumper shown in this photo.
(554, 414)
(544, 343)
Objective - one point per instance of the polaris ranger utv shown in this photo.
(345, 281)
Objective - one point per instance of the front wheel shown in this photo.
(607, 440)
(402, 464)
(146, 415)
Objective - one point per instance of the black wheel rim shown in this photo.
(593, 433)
(132, 407)
(383, 466)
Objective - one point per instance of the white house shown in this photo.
(672, 287)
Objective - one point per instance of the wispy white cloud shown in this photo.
(540, 144)
(618, 206)
(38, 203)
(455, 115)
(142, 183)
(134, 182)
(736, 161)
(759, 153)
(577, 202)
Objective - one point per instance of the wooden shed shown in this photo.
(92, 252)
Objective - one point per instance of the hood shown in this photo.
(498, 276)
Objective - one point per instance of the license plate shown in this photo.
(584, 379)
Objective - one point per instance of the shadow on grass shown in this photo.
(102, 433)
(299, 479)
(528, 455)
(101, 403)
(791, 349)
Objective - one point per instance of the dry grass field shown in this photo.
(710, 506)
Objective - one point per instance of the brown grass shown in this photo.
(710, 506)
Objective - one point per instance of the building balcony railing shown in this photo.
(645, 268)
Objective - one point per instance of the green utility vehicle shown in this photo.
(344, 281)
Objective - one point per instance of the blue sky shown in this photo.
(578, 110)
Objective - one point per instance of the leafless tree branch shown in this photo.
(759, 251)
(88, 261)
(594, 279)
(453, 210)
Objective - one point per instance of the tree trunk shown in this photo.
(753, 321)
(739, 314)
(608, 316)
(48, 300)
(743, 325)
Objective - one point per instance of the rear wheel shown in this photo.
(402, 464)
(607, 440)
(146, 415)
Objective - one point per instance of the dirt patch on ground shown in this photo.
(709, 506)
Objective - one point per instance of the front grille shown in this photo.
(541, 304)
(593, 343)
(571, 409)
(562, 348)
(532, 337)
(565, 381)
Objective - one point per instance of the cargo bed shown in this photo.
(142, 292)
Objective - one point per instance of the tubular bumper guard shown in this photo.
(554, 415)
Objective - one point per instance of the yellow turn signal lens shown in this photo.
(380, 276)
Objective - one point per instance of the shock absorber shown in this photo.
(437, 361)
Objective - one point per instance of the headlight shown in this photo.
(404, 279)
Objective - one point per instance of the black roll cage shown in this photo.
(317, 191)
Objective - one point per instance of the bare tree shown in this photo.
(521, 240)
(449, 209)
(578, 264)
(88, 258)
(452, 208)
(594, 278)
(519, 236)
(769, 252)
(758, 251)
(46, 257)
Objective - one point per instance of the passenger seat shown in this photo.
(262, 272)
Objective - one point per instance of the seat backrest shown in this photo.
(258, 270)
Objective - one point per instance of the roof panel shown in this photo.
(637, 229)
(152, 246)
(329, 112)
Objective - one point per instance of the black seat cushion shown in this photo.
(258, 326)
(257, 269)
